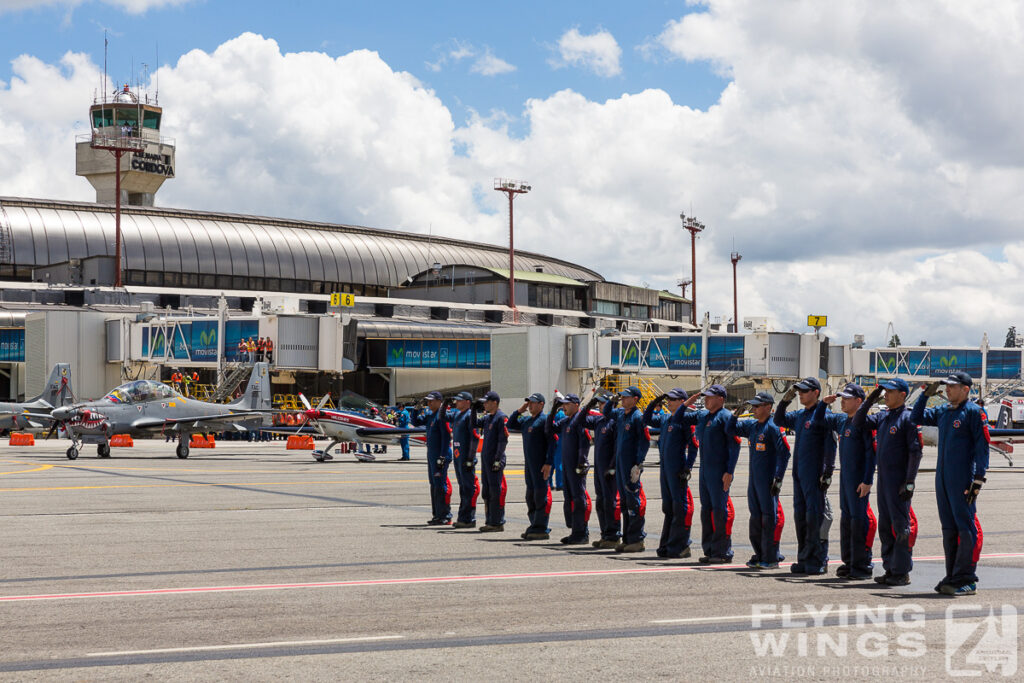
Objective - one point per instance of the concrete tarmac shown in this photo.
(250, 562)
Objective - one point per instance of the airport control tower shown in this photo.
(125, 130)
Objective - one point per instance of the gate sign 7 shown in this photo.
(817, 321)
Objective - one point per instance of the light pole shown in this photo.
(735, 257)
(683, 283)
(511, 188)
(694, 226)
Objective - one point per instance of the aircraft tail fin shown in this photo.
(257, 391)
(58, 390)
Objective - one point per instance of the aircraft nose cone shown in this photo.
(60, 413)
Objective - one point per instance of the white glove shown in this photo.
(634, 474)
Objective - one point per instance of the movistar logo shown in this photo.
(208, 337)
(948, 362)
(687, 351)
(890, 365)
(630, 354)
(397, 352)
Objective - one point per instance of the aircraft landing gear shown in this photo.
(182, 449)
(364, 456)
(103, 450)
(72, 453)
(325, 454)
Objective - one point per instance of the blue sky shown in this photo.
(407, 35)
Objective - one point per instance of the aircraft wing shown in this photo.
(1005, 432)
(389, 431)
(157, 422)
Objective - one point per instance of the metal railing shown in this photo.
(649, 390)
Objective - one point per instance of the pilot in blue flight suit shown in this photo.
(632, 441)
(857, 523)
(814, 458)
(769, 457)
(606, 491)
(719, 452)
(677, 444)
(959, 475)
(465, 446)
(898, 458)
(571, 433)
(492, 424)
(529, 420)
(439, 456)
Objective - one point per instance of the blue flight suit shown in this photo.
(677, 445)
(537, 453)
(574, 442)
(466, 445)
(632, 441)
(814, 453)
(769, 458)
(963, 457)
(403, 421)
(557, 477)
(898, 456)
(719, 452)
(605, 489)
(439, 457)
(857, 523)
(492, 450)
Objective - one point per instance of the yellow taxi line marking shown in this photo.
(35, 469)
(199, 485)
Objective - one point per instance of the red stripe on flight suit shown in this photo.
(977, 543)
(447, 491)
(869, 537)
(689, 507)
(547, 504)
(913, 528)
(730, 515)
(643, 502)
(476, 491)
(780, 521)
(618, 507)
(504, 490)
(589, 504)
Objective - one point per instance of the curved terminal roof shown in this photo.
(44, 232)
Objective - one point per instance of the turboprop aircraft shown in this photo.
(57, 392)
(343, 426)
(144, 406)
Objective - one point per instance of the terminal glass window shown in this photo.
(151, 119)
(606, 307)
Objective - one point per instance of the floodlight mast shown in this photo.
(691, 224)
(511, 188)
(735, 258)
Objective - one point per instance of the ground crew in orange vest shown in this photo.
(270, 350)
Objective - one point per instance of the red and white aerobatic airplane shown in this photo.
(345, 426)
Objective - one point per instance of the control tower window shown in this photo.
(103, 118)
(127, 117)
(151, 119)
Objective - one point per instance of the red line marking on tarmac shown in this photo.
(418, 580)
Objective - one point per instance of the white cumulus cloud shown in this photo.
(598, 52)
(866, 159)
